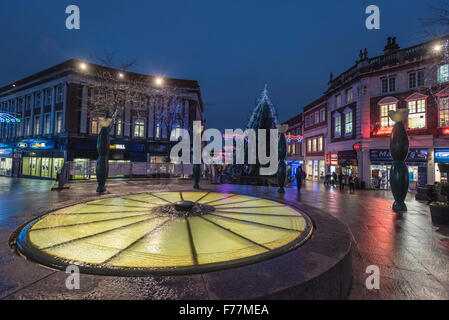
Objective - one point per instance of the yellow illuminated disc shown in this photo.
(128, 233)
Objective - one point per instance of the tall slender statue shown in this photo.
(282, 154)
(399, 144)
(103, 146)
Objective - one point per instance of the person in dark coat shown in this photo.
(299, 177)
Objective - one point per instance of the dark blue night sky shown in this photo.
(232, 47)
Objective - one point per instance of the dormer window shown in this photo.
(385, 105)
(416, 104)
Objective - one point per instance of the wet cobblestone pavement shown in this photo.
(412, 254)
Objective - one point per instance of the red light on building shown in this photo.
(356, 147)
(383, 131)
(328, 159)
(334, 159)
(445, 131)
(293, 138)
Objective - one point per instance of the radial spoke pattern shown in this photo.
(124, 232)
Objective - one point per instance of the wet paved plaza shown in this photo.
(412, 254)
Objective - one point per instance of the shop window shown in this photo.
(417, 114)
(37, 125)
(94, 126)
(443, 73)
(444, 111)
(139, 128)
(58, 128)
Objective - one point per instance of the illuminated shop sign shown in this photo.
(36, 144)
(118, 147)
(414, 155)
(294, 138)
(383, 131)
(441, 155)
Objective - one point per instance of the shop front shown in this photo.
(441, 157)
(347, 163)
(40, 158)
(315, 169)
(122, 155)
(6, 161)
(381, 162)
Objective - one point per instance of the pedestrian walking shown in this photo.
(432, 193)
(299, 177)
(351, 184)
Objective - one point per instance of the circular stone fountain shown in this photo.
(165, 233)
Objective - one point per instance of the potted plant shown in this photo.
(439, 209)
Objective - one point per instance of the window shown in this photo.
(139, 128)
(47, 97)
(158, 131)
(338, 100)
(337, 129)
(27, 127)
(385, 120)
(293, 148)
(37, 125)
(320, 143)
(47, 123)
(349, 95)
(388, 84)
(28, 102)
(314, 145)
(309, 145)
(312, 119)
(444, 111)
(37, 102)
(317, 117)
(348, 123)
(417, 114)
(322, 115)
(118, 129)
(443, 73)
(59, 93)
(307, 121)
(416, 79)
(58, 128)
(94, 126)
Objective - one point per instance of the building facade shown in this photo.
(55, 124)
(315, 134)
(347, 130)
(360, 98)
(295, 139)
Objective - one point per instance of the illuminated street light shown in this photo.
(83, 66)
(437, 48)
(159, 81)
(121, 75)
